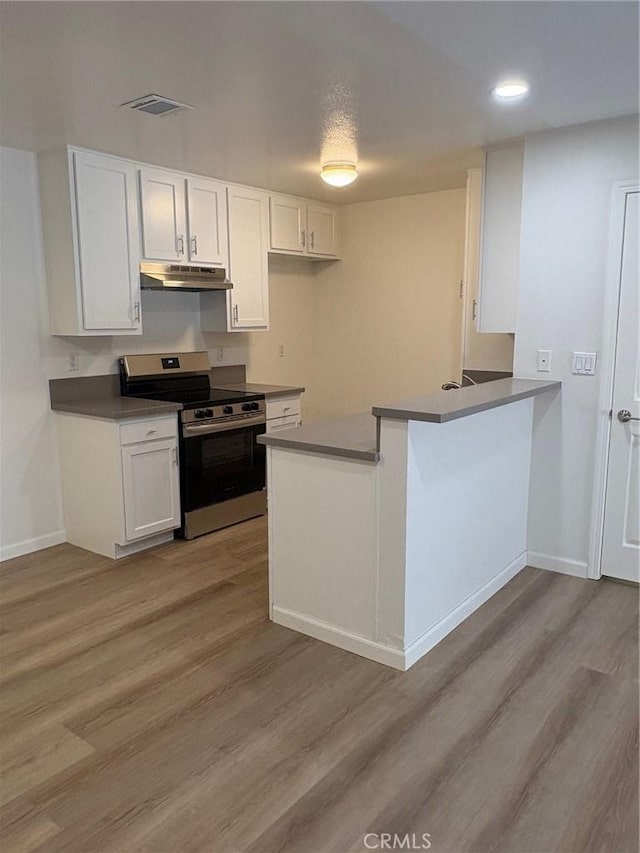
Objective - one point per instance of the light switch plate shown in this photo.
(544, 360)
(584, 363)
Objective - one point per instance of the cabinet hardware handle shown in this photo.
(136, 312)
(194, 245)
(175, 455)
(151, 431)
(624, 416)
(312, 239)
(303, 238)
(235, 313)
(180, 245)
(474, 313)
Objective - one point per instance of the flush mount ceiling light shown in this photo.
(156, 105)
(508, 90)
(339, 174)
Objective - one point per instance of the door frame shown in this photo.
(620, 193)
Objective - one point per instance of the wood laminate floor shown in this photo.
(148, 705)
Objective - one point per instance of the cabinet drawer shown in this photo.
(276, 424)
(148, 430)
(283, 407)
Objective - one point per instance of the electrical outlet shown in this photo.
(544, 361)
(73, 362)
(220, 354)
(281, 350)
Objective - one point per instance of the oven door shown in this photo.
(220, 463)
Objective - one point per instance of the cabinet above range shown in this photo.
(103, 216)
(184, 219)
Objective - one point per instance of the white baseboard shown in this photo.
(445, 626)
(577, 568)
(28, 546)
(337, 637)
(397, 658)
(142, 545)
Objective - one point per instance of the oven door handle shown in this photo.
(194, 430)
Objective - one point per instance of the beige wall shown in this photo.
(293, 300)
(389, 314)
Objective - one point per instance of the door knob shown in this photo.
(624, 416)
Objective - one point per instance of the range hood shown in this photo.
(182, 277)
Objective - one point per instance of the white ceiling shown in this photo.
(408, 81)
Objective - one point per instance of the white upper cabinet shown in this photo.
(207, 222)
(500, 240)
(322, 229)
(91, 235)
(164, 221)
(298, 227)
(246, 306)
(481, 351)
(184, 219)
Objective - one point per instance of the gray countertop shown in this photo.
(443, 406)
(116, 408)
(353, 437)
(257, 388)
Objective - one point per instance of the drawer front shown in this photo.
(275, 424)
(282, 407)
(149, 429)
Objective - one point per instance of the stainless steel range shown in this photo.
(222, 466)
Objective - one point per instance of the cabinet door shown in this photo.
(164, 234)
(151, 488)
(248, 258)
(323, 231)
(287, 224)
(207, 211)
(107, 242)
(500, 248)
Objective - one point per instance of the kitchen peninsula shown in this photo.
(387, 529)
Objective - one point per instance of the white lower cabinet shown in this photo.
(120, 481)
(150, 488)
(283, 412)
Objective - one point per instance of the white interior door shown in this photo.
(621, 543)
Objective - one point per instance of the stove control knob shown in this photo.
(227, 410)
(246, 407)
(200, 413)
(208, 413)
(255, 407)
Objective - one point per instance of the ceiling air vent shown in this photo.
(156, 105)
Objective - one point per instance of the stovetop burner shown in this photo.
(184, 378)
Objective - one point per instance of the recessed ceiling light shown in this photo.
(339, 174)
(509, 89)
